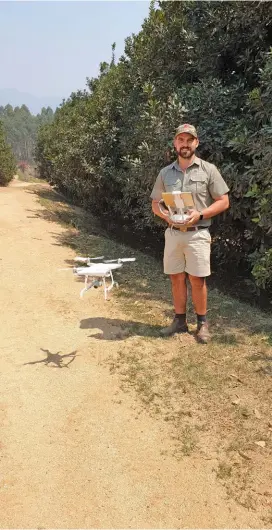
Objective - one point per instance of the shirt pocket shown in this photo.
(172, 184)
(198, 183)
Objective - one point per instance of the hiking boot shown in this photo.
(202, 333)
(177, 326)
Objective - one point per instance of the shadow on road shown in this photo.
(55, 359)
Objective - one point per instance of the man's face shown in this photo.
(185, 145)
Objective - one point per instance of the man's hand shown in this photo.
(193, 218)
(162, 212)
(166, 216)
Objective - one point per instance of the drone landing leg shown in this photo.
(87, 287)
(107, 289)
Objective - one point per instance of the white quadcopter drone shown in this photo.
(96, 270)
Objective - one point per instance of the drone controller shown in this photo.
(175, 206)
(179, 218)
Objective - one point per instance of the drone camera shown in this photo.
(97, 284)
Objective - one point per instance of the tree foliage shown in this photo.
(21, 129)
(208, 63)
(7, 161)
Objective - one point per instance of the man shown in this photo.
(187, 246)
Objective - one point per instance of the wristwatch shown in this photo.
(201, 216)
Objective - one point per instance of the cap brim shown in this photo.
(185, 132)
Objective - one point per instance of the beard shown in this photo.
(185, 152)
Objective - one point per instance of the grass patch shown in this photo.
(27, 176)
(224, 471)
(188, 442)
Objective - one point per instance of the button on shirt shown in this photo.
(201, 178)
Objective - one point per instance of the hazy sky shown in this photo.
(49, 48)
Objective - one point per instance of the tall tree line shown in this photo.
(207, 63)
(7, 160)
(21, 128)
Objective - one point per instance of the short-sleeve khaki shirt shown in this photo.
(201, 178)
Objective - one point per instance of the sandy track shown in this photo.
(74, 452)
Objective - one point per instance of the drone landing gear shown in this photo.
(98, 282)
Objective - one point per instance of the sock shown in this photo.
(181, 316)
(201, 319)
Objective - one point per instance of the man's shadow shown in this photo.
(115, 329)
(55, 358)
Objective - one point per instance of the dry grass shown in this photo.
(28, 176)
(216, 397)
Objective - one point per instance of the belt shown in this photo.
(189, 228)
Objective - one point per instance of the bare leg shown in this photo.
(179, 292)
(199, 294)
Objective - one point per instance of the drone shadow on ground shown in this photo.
(55, 359)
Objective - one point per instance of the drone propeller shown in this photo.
(119, 260)
(85, 260)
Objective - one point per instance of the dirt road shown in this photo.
(74, 452)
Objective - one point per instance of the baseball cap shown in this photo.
(186, 128)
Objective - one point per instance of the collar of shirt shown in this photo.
(176, 166)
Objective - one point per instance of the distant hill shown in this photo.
(15, 98)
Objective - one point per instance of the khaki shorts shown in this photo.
(187, 252)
